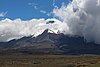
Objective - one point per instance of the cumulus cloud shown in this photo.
(82, 18)
(15, 29)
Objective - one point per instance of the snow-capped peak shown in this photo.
(12, 29)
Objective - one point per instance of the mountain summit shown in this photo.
(51, 43)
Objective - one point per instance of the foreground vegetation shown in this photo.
(19, 60)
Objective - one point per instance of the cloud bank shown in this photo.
(82, 18)
(15, 29)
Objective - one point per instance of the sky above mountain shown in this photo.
(28, 9)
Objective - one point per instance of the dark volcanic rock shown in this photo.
(52, 43)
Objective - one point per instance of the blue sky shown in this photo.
(28, 9)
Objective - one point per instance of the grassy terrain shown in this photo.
(48, 61)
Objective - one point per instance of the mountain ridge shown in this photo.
(52, 43)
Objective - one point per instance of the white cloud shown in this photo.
(49, 14)
(34, 5)
(14, 29)
(98, 2)
(3, 14)
(43, 11)
(82, 18)
(54, 1)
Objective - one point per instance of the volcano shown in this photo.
(50, 43)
